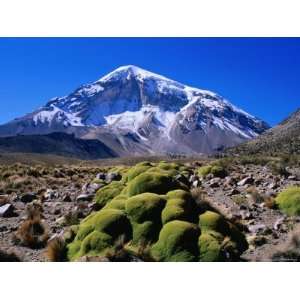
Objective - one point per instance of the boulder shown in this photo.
(85, 197)
(28, 197)
(7, 210)
(113, 177)
(245, 181)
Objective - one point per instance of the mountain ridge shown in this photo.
(283, 138)
(142, 112)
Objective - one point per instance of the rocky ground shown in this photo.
(245, 195)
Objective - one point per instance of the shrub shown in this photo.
(210, 249)
(98, 232)
(220, 240)
(32, 233)
(56, 249)
(152, 183)
(107, 193)
(211, 221)
(177, 242)
(288, 201)
(215, 170)
(117, 203)
(204, 171)
(218, 171)
(180, 206)
(144, 211)
(135, 171)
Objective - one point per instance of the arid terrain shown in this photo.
(43, 203)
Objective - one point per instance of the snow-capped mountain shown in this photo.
(135, 111)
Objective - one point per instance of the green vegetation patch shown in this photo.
(107, 193)
(152, 182)
(177, 242)
(210, 247)
(98, 232)
(215, 170)
(180, 206)
(144, 212)
(219, 237)
(288, 201)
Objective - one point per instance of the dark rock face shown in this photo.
(57, 143)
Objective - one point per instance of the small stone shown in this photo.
(28, 197)
(113, 176)
(278, 223)
(67, 198)
(7, 210)
(256, 240)
(101, 176)
(247, 180)
(195, 184)
(233, 192)
(85, 197)
(273, 186)
(49, 194)
(182, 178)
(256, 228)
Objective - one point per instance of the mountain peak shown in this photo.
(132, 108)
(131, 70)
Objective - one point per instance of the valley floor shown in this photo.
(64, 194)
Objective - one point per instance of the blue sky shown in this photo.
(260, 75)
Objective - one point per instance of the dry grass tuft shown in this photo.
(33, 232)
(56, 249)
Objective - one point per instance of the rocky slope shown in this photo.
(56, 144)
(134, 112)
(208, 207)
(281, 139)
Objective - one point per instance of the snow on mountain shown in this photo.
(148, 110)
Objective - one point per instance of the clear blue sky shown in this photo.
(262, 76)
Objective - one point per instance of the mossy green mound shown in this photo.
(211, 221)
(144, 212)
(210, 247)
(215, 170)
(288, 201)
(107, 193)
(151, 182)
(177, 242)
(98, 232)
(219, 239)
(135, 171)
(117, 203)
(180, 206)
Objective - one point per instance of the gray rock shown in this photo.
(28, 197)
(101, 176)
(113, 176)
(257, 228)
(195, 184)
(233, 192)
(244, 181)
(278, 223)
(214, 183)
(182, 178)
(85, 197)
(7, 210)
(192, 178)
(49, 194)
(67, 198)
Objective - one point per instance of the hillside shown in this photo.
(60, 144)
(281, 139)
